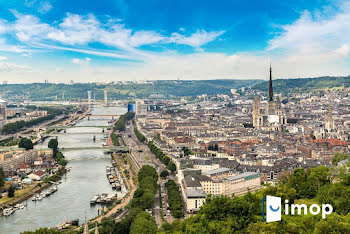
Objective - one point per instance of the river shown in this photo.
(86, 179)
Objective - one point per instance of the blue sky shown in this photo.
(107, 40)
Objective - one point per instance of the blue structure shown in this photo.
(131, 107)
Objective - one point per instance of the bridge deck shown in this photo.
(109, 149)
(102, 115)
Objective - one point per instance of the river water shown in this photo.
(86, 179)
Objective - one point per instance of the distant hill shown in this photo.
(304, 84)
(168, 88)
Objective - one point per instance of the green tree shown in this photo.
(11, 191)
(60, 159)
(174, 199)
(213, 147)
(43, 231)
(339, 157)
(25, 143)
(147, 171)
(334, 224)
(2, 177)
(53, 144)
(171, 166)
(143, 223)
(164, 173)
(123, 226)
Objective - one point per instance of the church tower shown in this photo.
(270, 87)
(256, 113)
(270, 103)
(329, 120)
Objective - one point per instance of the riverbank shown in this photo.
(37, 188)
(86, 178)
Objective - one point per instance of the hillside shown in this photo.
(304, 84)
(41, 91)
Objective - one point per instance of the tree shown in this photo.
(174, 199)
(186, 151)
(2, 177)
(147, 171)
(171, 166)
(213, 147)
(60, 158)
(143, 223)
(25, 143)
(339, 157)
(11, 191)
(164, 173)
(43, 231)
(53, 144)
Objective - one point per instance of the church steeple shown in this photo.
(270, 86)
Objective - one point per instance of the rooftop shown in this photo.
(243, 175)
(195, 193)
(216, 171)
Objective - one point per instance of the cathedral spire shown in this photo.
(270, 86)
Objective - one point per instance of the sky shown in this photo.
(114, 40)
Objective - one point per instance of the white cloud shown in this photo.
(44, 7)
(314, 33)
(197, 39)
(344, 50)
(3, 58)
(311, 46)
(76, 29)
(83, 30)
(12, 67)
(81, 61)
(28, 26)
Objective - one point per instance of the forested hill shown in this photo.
(168, 88)
(305, 84)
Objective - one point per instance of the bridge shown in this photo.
(74, 126)
(93, 115)
(117, 149)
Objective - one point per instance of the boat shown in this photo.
(105, 198)
(7, 211)
(117, 185)
(19, 206)
(53, 189)
(36, 198)
(94, 199)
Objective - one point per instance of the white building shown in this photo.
(141, 108)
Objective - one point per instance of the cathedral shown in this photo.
(273, 118)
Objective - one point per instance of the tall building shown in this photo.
(274, 116)
(89, 97)
(329, 120)
(141, 108)
(256, 113)
(3, 116)
(270, 102)
(106, 97)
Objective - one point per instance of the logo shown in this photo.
(274, 209)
